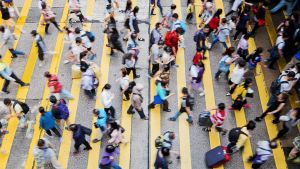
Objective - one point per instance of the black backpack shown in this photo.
(234, 134)
(276, 85)
(23, 105)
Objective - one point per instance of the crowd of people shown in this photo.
(237, 64)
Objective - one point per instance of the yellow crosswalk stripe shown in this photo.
(44, 102)
(65, 146)
(184, 128)
(239, 115)
(281, 62)
(154, 113)
(214, 136)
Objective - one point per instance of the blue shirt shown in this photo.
(47, 121)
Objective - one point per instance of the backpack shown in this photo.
(61, 110)
(235, 133)
(90, 36)
(276, 85)
(160, 140)
(197, 35)
(23, 105)
(191, 101)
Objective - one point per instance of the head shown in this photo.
(165, 152)
(123, 72)
(158, 26)
(42, 110)
(161, 43)
(128, 5)
(2, 29)
(41, 143)
(185, 91)
(285, 36)
(221, 106)
(106, 87)
(246, 36)
(135, 9)
(44, 5)
(291, 75)
(175, 17)
(206, 29)
(179, 30)
(209, 6)
(7, 102)
(114, 125)
(77, 30)
(218, 12)
(78, 40)
(33, 33)
(200, 64)
(110, 148)
(229, 51)
(223, 21)
(133, 36)
(53, 99)
(173, 7)
(242, 63)
(251, 125)
(172, 135)
(259, 51)
(167, 49)
(233, 18)
(273, 144)
(96, 112)
(248, 82)
(47, 74)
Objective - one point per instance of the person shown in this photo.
(108, 157)
(85, 42)
(156, 35)
(8, 40)
(161, 97)
(77, 49)
(167, 19)
(42, 50)
(47, 123)
(79, 133)
(243, 24)
(107, 98)
(74, 6)
(60, 111)
(133, 23)
(129, 61)
(259, 17)
(263, 152)
(157, 3)
(291, 4)
(13, 9)
(56, 87)
(172, 39)
(19, 108)
(114, 41)
(296, 69)
(8, 75)
(186, 106)
(136, 102)
(161, 160)
(295, 152)
(49, 17)
(7, 18)
(237, 75)
(196, 75)
(243, 46)
(115, 132)
(239, 95)
(167, 59)
(101, 122)
(290, 120)
(236, 4)
(222, 34)
(218, 119)
(3, 132)
(124, 84)
(127, 12)
(44, 155)
(89, 81)
(228, 57)
(275, 108)
(189, 12)
(155, 57)
(201, 37)
(255, 58)
(277, 51)
(213, 24)
(243, 135)
(207, 13)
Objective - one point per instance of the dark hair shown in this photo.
(7, 101)
(242, 63)
(291, 74)
(165, 151)
(248, 81)
(273, 144)
(77, 30)
(53, 99)
(114, 125)
(179, 30)
(185, 90)
(47, 74)
(175, 15)
(157, 25)
(135, 10)
(221, 106)
(229, 51)
(78, 40)
(110, 148)
(124, 71)
(173, 6)
(41, 110)
(224, 20)
(246, 36)
(218, 13)
(106, 87)
(258, 51)
(44, 5)
(33, 32)
(201, 64)
(133, 36)
(96, 111)
(2, 29)
(251, 125)
(128, 5)
(41, 143)
(298, 113)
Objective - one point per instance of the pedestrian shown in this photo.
(196, 72)
(172, 39)
(100, 123)
(56, 88)
(133, 23)
(45, 156)
(189, 12)
(239, 95)
(295, 152)
(274, 108)
(200, 39)
(186, 106)
(20, 109)
(290, 121)
(136, 102)
(163, 76)
(115, 132)
(79, 133)
(290, 4)
(167, 59)
(259, 12)
(77, 49)
(127, 12)
(9, 40)
(132, 45)
(108, 157)
(277, 51)
(243, 24)
(263, 152)
(47, 122)
(75, 7)
(129, 62)
(155, 57)
(87, 39)
(7, 20)
(243, 46)
(114, 41)
(13, 9)
(213, 24)
(161, 97)
(207, 13)
(238, 136)
(60, 111)
(156, 35)
(228, 57)
(222, 34)
(107, 98)
(254, 59)
(296, 69)
(89, 80)
(42, 50)
(49, 17)
(167, 19)
(157, 3)
(8, 75)
(237, 75)
(217, 119)
(124, 84)
(161, 160)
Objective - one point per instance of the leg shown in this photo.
(230, 147)
(229, 13)
(112, 111)
(278, 6)
(217, 75)
(151, 105)
(130, 110)
(12, 51)
(282, 132)
(40, 54)
(87, 145)
(155, 68)
(165, 105)
(134, 73)
(20, 82)
(76, 146)
(160, 7)
(256, 166)
(216, 39)
(128, 71)
(127, 95)
(47, 27)
(56, 132)
(254, 28)
(5, 86)
(273, 60)
(56, 25)
(89, 93)
(176, 115)
(66, 94)
(48, 132)
(293, 153)
(141, 113)
(238, 31)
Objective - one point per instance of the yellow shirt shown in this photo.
(190, 8)
(242, 138)
(239, 90)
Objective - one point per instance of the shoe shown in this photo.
(75, 152)
(172, 119)
(137, 76)
(153, 14)
(96, 140)
(228, 94)
(13, 56)
(67, 128)
(246, 106)
(141, 39)
(87, 148)
(168, 110)
(125, 39)
(201, 94)
(66, 61)
(145, 118)
(25, 84)
(258, 119)
(206, 130)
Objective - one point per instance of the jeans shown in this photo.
(65, 93)
(16, 52)
(274, 56)
(115, 166)
(289, 5)
(216, 39)
(177, 114)
(219, 73)
(90, 93)
(281, 4)
(238, 31)
(54, 23)
(133, 69)
(158, 5)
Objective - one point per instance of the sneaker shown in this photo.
(247, 106)
(228, 94)
(172, 119)
(66, 61)
(87, 148)
(96, 140)
(258, 119)
(201, 94)
(25, 84)
(5, 91)
(168, 110)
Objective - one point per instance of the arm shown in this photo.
(278, 109)
(17, 10)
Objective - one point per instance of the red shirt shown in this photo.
(53, 82)
(197, 58)
(214, 23)
(172, 39)
(218, 117)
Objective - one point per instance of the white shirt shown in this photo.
(76, 50)
(105, 98)
(223, 33)
(124, 82)
(193, 71)
(237, 75)
(236, 4)
(243, 43)
(280, 42)
(85, 40)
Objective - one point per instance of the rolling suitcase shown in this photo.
(204, 119)
(216, 156)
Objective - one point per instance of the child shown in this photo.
(190, 12)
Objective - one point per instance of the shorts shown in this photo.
(8, 23)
